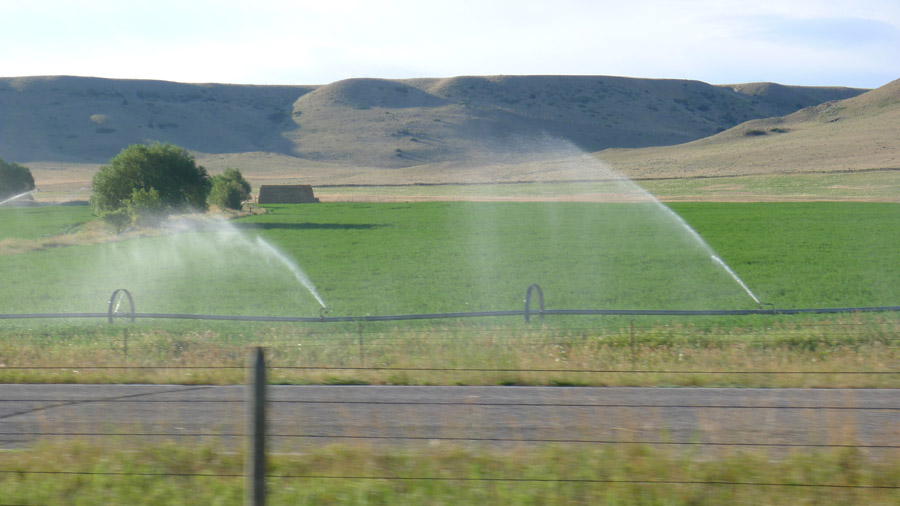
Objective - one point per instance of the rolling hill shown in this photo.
(76, 119)
(858, 133)
(64, 122)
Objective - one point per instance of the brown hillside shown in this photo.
(858, 133)
(779, 96)
(78, 119)
(66, 121)
(393, 124)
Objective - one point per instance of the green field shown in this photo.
(367, 259)
(39, 222)
(384, 259)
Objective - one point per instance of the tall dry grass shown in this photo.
(852, 352)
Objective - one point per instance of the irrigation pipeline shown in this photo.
(122, 295)
(473, 314)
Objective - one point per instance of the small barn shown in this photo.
(286, 194)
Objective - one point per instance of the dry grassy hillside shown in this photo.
(64, 121)
(77, 119)
(395, 124)
(859, 133)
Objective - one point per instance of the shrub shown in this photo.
(146, 208)
(117, 220)
(229, 190)
(226, 195)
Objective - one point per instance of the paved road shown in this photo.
(307, 415)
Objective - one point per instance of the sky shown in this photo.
(800, 42)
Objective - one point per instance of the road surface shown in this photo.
(301, 416)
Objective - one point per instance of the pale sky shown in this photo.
(803, 42)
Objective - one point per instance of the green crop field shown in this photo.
(807, 255)
(37, 222)
(400, 258)
(366, 259)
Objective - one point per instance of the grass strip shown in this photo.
(90, 472)
(856, 351)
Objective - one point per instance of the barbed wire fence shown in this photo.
(843, 333)
(257, 430)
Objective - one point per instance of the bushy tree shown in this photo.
(229, 189)
(226, 195)
(162, 176)
(14, 179)
(236, 176)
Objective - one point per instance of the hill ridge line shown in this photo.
(371, 122)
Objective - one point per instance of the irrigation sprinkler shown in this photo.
(16, 197)
(115, 301)
(534, 286)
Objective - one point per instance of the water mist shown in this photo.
(204, 265)
(16, 197)
(668, 256)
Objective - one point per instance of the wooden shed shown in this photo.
(286, 194)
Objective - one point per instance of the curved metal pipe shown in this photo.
(540, 292)
(474, 314)
(114, 304)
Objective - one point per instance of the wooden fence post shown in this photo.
(632, 346)
(255, 454)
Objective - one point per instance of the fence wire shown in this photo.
(463, 479)
(431, 439)
(842, 333)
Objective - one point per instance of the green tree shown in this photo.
(14, 179)
(117, 220)
(226, 195)
(229, 189)
(140, 170)
(146, 207)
